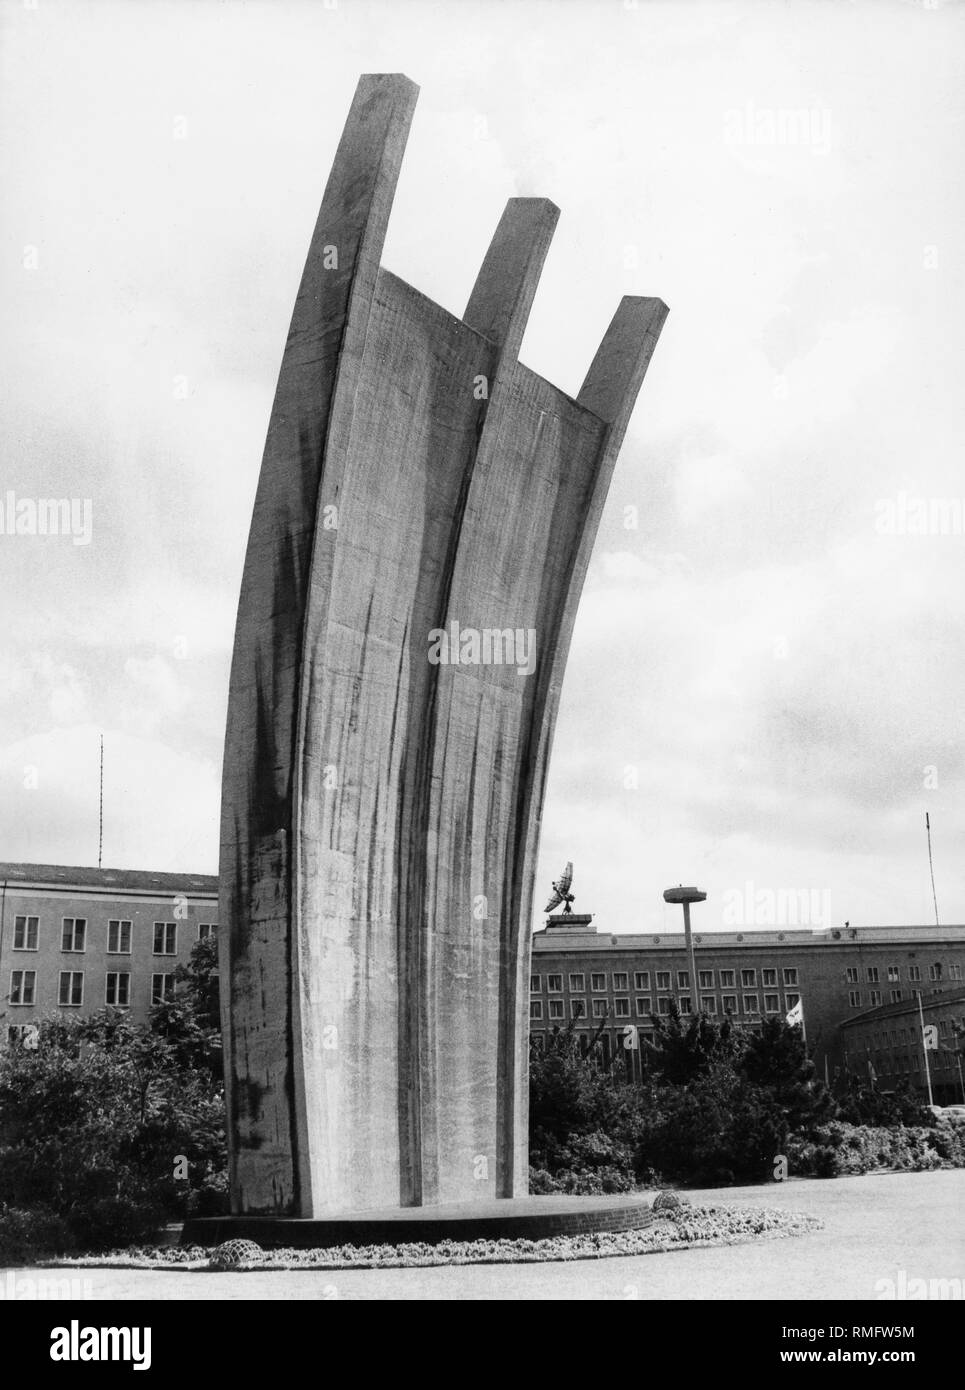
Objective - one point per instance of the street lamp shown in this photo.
(687, 896)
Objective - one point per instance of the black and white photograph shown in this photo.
(482, 763)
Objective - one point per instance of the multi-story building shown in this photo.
(600, 978)
(887, 1045)
(77, 939)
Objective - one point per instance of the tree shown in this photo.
(115, 1127)
(682, 1050)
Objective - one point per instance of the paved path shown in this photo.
(875, 1226)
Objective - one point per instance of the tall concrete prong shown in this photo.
(617, 371)
(508, 278)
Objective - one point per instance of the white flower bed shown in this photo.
(687, 1227)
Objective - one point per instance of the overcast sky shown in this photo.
(766, 679)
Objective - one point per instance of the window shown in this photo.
(74, 934)
(852, 974)
(162, 989)
(914, 972)
(663, 980)
(577, 984)
(872, 974)
(537, 1041)
(772, 1004)
(792, 1000)
(165, 938)
(727, 979)
(790, 975)
(621, 980)
(598, 982)
(118, 938)
(955, 971)
(118, 989)
(71, 989)
(536, 1009)
(22, 1035)
(705, 979)
(644, 1008)
(23, 986)
(874, 998)
(750, 1004)
(748, 979)
(934, 972)
(854, 998)
(769, 978)
(577, 1008)
(685, 1005)
(535, 984)
(556, 1008)
(708, 1003)
(728, 1002)
(663, 1005)
(683, 979)
(599, 1008)
(621, 1008)
(641, 979)
(894, 974)
(25, 934)
(206, 930)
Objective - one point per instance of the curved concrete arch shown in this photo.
(380, 811)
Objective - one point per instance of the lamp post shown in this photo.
(686, 896)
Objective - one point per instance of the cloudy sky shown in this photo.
(765, 685)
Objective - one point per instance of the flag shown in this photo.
(796, 1015)
(872, 1074)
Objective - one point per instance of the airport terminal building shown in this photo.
(77, 939)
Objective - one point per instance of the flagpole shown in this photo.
(921, 1015)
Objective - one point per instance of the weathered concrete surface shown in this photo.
(380, 813)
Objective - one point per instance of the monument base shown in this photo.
(510, 1218)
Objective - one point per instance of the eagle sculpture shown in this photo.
(561, 891)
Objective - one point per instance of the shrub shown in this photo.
(24, 1234)
(114, 1127)
(839, 1148)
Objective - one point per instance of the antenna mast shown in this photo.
(931, 868)
(100, 829)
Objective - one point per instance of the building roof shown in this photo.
(105, 880)
(568, 938)
(906, 1006)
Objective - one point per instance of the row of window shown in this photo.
(935, 972)
(644, 1006)
(902, 1037)
(73, 937)
(641, 980)
(117, 991)
(874, 997)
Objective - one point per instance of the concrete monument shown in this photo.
(421, 531)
